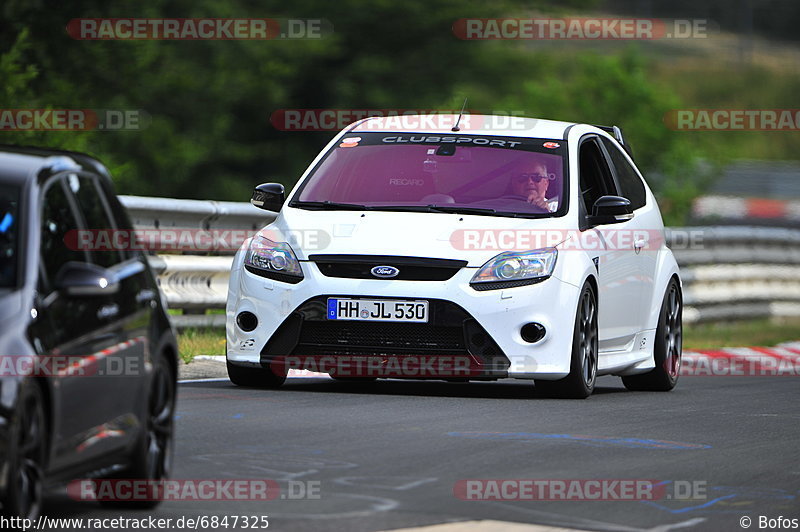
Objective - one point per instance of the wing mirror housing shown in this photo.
(82, 279)
(610, 210)
(269, 196)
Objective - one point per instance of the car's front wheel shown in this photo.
(254, 377)
(668, 347)
(579, 384)
(28, 444)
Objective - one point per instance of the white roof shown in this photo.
(508, 126)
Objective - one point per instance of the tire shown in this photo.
(254, 377)
(668, 347)
(152, 459)
(579, 384)
(27, 455)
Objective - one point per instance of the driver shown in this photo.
(531, 183)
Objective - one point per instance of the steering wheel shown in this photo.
(523, 199)
(514, 197)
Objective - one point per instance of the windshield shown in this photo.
(9, 235)
(458, 173)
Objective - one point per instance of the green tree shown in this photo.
(209, 102)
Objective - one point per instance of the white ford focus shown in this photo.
(466, 251)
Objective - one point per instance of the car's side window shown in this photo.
(627, 178)
(9, 235)
(58, 219)
(96, 218)
(595, 176)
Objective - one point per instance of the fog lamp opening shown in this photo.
(532, 332)
(247, 321)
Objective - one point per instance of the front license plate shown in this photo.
(377, 310)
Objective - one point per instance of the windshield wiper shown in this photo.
(485, 211)
(462, 210)
(453, 209)
(328, 205)
(405, 208)
(434, 208)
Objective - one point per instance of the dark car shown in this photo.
(88, 359)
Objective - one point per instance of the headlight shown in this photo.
(511, 269)
(274, 260)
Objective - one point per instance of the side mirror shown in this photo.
(269, 196)
(81, 279)
(610, 210)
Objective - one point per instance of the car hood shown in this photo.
(475, 239)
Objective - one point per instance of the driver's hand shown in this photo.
(538, 200)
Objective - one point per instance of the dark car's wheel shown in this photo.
(27, 453)
(254, 377)
(668, 347)
(152, 460)
(579, 384)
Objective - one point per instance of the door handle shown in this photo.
(145, 296)
(638, 244)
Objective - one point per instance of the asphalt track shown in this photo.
(389, 454)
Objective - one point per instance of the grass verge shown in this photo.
(193, 342)
(762, 332)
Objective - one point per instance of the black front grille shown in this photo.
(450, 331)
(382, 336)
(410, 268)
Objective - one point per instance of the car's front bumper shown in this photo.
(291, 322)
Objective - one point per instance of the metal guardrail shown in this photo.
(160, 213)
(729, 272)
(191, 282)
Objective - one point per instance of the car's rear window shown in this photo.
(505, 174)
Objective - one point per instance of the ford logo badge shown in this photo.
(385, 272)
